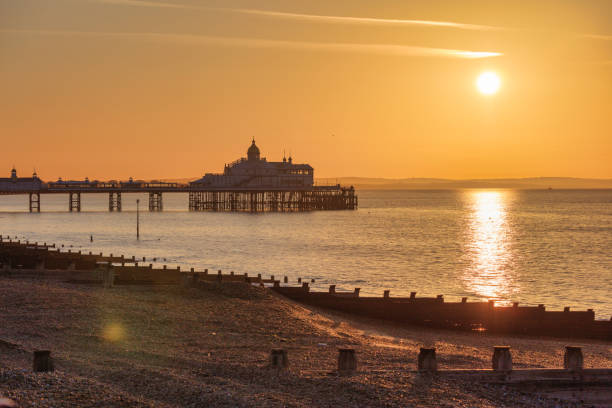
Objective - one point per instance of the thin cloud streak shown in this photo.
(597, 37)
(144, 3)
(342, 19)
(384, 49)
(365, 20)
(308, 17)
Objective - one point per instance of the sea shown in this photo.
(551, 247)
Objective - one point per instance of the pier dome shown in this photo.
(253, 152)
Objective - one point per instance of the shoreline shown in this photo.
(171, 346)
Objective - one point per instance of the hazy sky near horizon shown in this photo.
(176, 88)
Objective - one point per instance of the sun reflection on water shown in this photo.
(490, 273)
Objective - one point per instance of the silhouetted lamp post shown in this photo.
(138, 219)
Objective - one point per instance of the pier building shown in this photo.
(255, 171)
(20, 184)
(253, 183)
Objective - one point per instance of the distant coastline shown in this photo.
(529, 183)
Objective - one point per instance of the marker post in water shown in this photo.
(137, 218)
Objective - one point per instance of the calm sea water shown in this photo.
(551, 247)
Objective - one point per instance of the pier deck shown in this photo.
(250, 199)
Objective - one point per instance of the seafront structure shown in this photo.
(255, 184)
(249, 184)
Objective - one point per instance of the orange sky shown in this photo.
(176, 88)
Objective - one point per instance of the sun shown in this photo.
(488, 83)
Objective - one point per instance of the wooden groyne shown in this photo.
(35, 255)
(463, 315)
(43, 260)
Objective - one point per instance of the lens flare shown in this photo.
(113, 332)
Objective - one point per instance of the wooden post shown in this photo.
(185, 280)
(427, 360)
(573, 360)
(356, 293)
(502, 359)
(463, 300)
(332, 289)
(278, 358)
(386, 294)
(108, 276)
(347, 363)
(43, 361)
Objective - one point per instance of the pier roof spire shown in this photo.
(253, 152)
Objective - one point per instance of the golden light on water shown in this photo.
(113, 332)
(489, 245)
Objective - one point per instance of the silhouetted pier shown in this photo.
(250, 183)
(201, 198)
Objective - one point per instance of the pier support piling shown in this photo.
(259, 201)
(34, 202)
(114, 201)
(74, 201)
(155, 201)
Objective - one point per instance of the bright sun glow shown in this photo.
(488, 83)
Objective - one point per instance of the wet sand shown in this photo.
(138, 346)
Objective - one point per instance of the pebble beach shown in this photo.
(165, 346)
